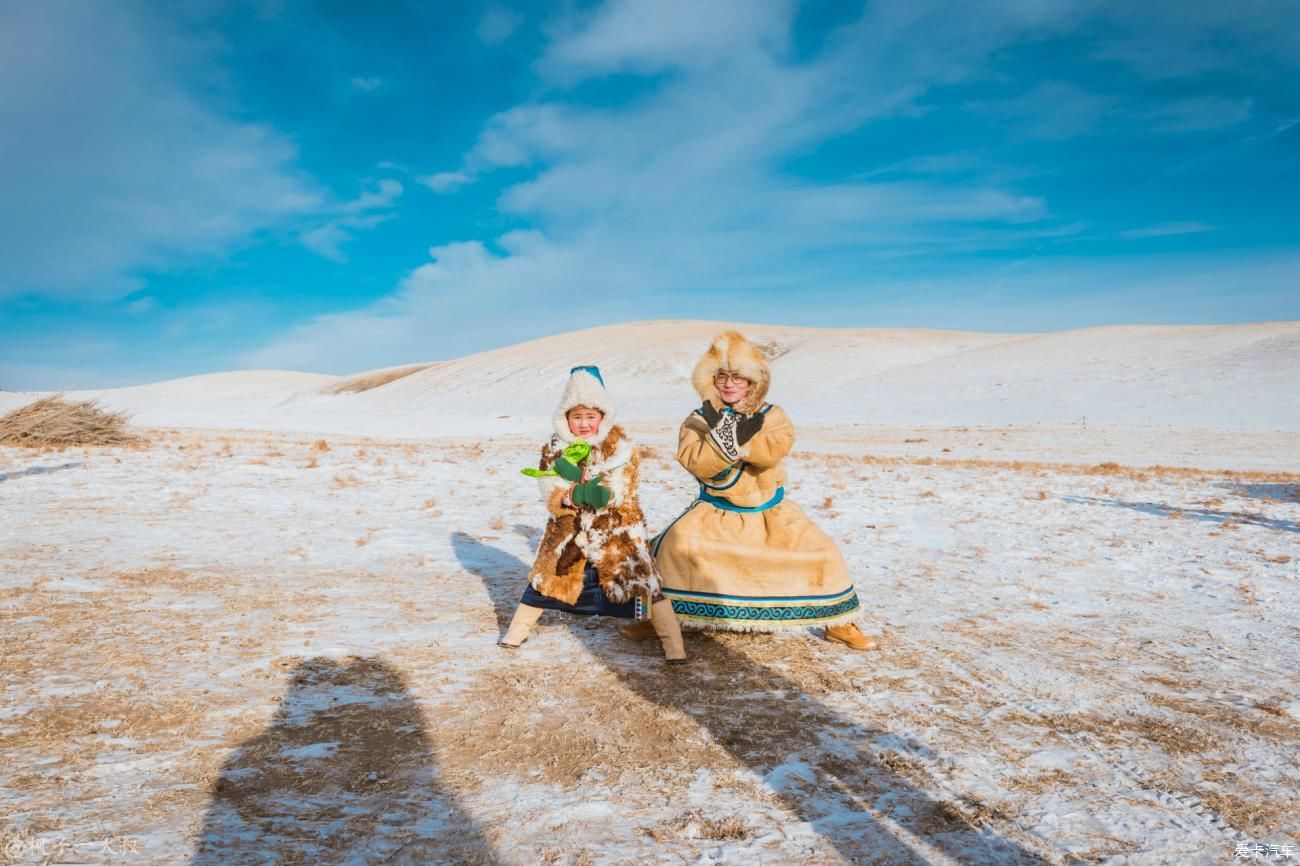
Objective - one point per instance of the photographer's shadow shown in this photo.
(344, 773)
(769, 724)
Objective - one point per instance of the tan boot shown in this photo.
(525, 617)
(637, 629)
(851, 636)
(664, 623)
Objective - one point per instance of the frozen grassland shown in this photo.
(236, 647)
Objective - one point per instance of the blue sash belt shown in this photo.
(728, 505)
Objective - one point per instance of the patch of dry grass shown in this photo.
(696, 824)
(368, 381)
(1036, 467)
(60, 423)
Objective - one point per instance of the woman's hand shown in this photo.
(747, 426)
(729, 429)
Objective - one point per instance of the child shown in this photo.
(593, 558)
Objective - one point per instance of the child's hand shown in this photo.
(591, 494)
(567, 470)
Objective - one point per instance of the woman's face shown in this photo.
(731, 388)
(584, 422)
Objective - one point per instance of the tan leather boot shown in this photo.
(851, 636)
(664, 623)
(637, 629)
(525, 617)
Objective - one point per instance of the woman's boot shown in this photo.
(664, 622)
(525, 617)
(851, 636)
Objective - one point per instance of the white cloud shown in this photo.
(649, 35)
(1200, 114)
(366, 211)
(446, 181)
(1051, 110)
(637, 208)
(362, 84)
(498, 24)
(1166, 229)
(679, 202)
(1189, 37)
(110, 165)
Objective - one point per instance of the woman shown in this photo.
(742, 556)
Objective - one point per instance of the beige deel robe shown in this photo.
(749, 570)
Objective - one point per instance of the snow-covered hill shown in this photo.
(1230, 376)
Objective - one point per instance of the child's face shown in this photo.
(584, 422)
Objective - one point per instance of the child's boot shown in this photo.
(664, 623)
(637, 629)
(525, 617)
(851, 636)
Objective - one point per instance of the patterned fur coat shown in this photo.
(613, 538)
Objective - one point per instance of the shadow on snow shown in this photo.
(36, 470)
(825, 766)
(344, 773)
(1205, 514)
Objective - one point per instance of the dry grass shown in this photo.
(367, 381)
(1036, 467)
(696, 824)
(1262, 817)
(1175, 738)
(59, 423)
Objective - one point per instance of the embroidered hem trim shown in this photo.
(758, 612)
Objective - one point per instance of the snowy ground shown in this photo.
(243, 647)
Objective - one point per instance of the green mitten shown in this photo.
(591, 494)
(567, 470)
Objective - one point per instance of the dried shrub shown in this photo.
(320, 446)
(367, 381)
(59, 423)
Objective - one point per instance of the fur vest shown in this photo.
(613, 538)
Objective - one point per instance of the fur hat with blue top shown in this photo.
(586, 387)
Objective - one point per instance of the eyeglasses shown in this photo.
(729, 379)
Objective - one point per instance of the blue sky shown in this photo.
(333, 187)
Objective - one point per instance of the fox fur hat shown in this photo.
(732, 353)
(586, 387)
